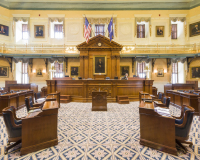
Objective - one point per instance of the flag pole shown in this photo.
(112, 26)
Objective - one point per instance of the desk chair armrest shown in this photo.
(19, 126)
(37, 105)
(176, 117)
(155, 99)
(33, 108)
(180, 125)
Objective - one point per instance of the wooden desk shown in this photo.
(179, 86)
(156, 131)
(142, 93)
(14, 99)
(99, 101)
(39, 129)
(31, 86)
(81, 90)
(52, 96)
(179, 99)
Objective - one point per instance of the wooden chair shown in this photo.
(14, 130)
(159, 97)
(164, 102)
(39, 98)
(13, 110)
(183, 126)
(30, 105)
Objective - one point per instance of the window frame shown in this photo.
(142, 65)
(99, 25)
(174, 73)
(24, 31)
(58, 32)
(140, 34)
(59, 73)
(24, 73)
(174, 33)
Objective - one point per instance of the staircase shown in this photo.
(122, 99)
(65, 98)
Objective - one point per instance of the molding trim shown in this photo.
(56, 15)
(21, 15)
(100, 5)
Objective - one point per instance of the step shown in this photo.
(124, 101)
(121, 98)
(65, 96)
(64, 101)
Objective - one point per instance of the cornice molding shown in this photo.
(100, 5)
(21, 15)
(56, 15)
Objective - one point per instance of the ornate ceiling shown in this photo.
(100, 4)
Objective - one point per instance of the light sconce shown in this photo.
(43, 71)
(34, 71)
(165, 71)
(155, 71)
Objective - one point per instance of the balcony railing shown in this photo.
(43, 49)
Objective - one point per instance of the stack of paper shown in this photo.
(162, 111)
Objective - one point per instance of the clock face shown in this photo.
(99, 44)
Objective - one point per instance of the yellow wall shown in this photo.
(193, 16)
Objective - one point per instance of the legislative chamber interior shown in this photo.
(99, 80)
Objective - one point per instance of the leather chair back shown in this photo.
(196, 93)
(12, 109)
(29, 103)
(160, 95)
(183, 131)
(3, 93)
(12, 130)
(38, 95)
(107, 77)
(166, 101)
(116, 77)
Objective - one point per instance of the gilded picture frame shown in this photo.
(160, 31)
(160, 72)
(194, 29)
(99, 65)
(39, 72)
(74, 71)
(4, 30)
(195, 72)
(4, 71)
(39, 31)
(124, 70)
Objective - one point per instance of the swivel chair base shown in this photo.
(12, 145)
(184, 149)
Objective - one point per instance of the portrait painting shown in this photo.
(160, 31)
(160, 72)
(4, 72)
(74, 70)
(195, 72)
(194, 29)
(124, 70)
(39, 73)
(99, 65)
(39, 31)
(4, 30)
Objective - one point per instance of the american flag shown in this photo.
(87, 30)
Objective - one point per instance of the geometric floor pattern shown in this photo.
(108, 135)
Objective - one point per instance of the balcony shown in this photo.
(153, 51)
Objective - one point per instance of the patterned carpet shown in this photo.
(111, 135)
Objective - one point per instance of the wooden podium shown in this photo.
(99, 101)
